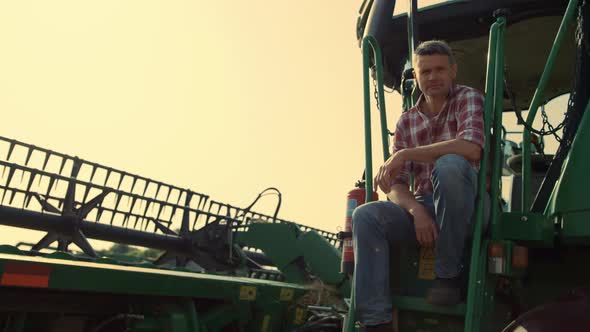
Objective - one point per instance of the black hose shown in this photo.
(278, 192)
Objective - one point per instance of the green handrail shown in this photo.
(497, 125)
(370, 43)
(536, 102)
(475, 271)
(410, 100)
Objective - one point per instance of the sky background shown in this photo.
(223, 97)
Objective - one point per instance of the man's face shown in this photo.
(435, 74)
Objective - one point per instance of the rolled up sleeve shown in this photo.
(401, 141)
(470, 118)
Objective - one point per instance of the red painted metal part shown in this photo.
(355, 198)
(26, 275)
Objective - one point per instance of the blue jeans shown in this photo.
(381, 226)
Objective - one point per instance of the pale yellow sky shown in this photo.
(223, 97)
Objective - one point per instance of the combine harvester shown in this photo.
(224, 268)
(528, 271)
(221, 268)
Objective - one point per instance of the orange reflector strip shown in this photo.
(520, 257)
(496, 250)
(26, 275)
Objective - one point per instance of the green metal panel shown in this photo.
(93, 277)
(216, 319)
(569, 199)
(323, 260)
(321, 257)
(278, 241)
(267, 318)
(178, 317)
(190, 311)
(405, 280)
(285, 245)
(258, 303)
(575, 228)
(532, 227)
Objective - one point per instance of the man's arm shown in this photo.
(426, 232)
(425, 154)
(400, 194)
(430, 153)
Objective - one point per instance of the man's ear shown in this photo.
(454, 71)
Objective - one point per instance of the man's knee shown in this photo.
(363, 217)
(375, 215)
(450, 168)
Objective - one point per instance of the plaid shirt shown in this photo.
(460, 117)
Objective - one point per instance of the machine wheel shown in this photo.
(568, 313)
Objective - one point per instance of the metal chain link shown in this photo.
(376, 95)
(546, 124)
(375, 89)
(551, 130)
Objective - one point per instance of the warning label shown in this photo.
(426, 265)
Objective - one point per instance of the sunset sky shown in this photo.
(223, 97)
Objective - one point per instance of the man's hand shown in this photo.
(426, 231)
(389, 170)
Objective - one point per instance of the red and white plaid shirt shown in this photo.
(460, 117)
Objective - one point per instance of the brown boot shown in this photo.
(445, 292)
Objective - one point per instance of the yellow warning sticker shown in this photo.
(248, 293)
(426, 265)
(287, 294)
(299, 316)
(265, 324)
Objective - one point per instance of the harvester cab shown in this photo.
(521, 54)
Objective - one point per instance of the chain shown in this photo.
(376, 96)
(551, 130)
(375, 89)
(546, 124)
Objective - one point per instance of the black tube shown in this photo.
(54, 223)
(379, 18)
(413, 26)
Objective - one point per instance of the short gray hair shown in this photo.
(435, 47)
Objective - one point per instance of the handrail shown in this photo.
(370, 43)
(536, 102)
(498, 109)
(475, 272)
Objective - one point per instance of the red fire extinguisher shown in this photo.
(355, 198)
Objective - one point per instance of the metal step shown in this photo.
(419, 304)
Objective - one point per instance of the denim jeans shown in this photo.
(381, 226)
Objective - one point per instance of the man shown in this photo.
(440, 141)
